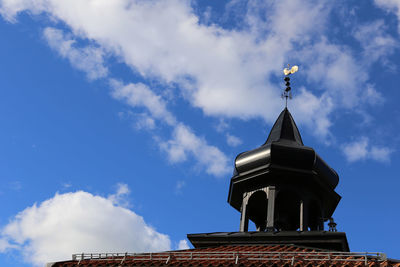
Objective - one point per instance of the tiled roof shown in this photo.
(234, 255)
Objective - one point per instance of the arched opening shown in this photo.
(257, 209)
(287, 211)
(315, 220)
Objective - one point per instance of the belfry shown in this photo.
(287, 190)
(283, 185)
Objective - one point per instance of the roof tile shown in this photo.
(235, 255)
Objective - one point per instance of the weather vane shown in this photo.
(287, 93)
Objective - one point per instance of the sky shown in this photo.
(120, 120)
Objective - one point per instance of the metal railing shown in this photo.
(234, 256)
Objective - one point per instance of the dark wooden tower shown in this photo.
(283, 185)
(285, 188)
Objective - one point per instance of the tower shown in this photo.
(283, 185)
(285, 188)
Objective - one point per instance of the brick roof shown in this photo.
(234, 255)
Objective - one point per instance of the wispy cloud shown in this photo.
(145, 121)
(391, 6)
(89, 59)
(227, 73)
(376, 43)
(233, 140)
(184, 143)
(140, 95)
(183, 244)
(179, 186)
(15, 186)
(119, 197)
(223, 72)
(361, 150)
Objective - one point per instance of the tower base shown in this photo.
(336, 241)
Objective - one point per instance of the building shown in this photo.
(288, 191)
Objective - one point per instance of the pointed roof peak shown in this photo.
(285, 130)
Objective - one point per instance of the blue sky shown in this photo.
(120, 120)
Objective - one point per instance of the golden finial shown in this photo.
(288, 71)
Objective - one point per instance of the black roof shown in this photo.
(284, 159)
(285, 130)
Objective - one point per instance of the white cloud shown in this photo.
(371, 96)
(66, 185)
(362, 150)
(184, 142)
(183, 244)
(222, 126)
(119, 198)
(336, 72)
(145, 121)
(140, 95)
(381, 154)
(75, 223)
(224, 72)
(356, 150)
(233, 140)
(89, 59)
(391, 6)
(142, 120)
(375, 41)
(313, 111)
